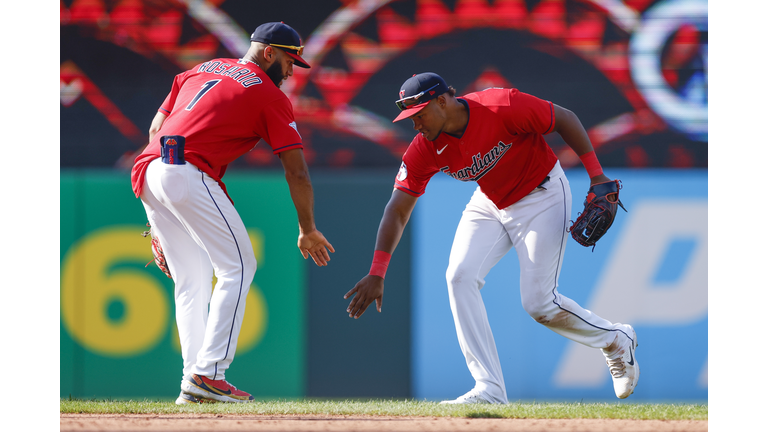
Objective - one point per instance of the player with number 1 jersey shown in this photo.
(216, 112)
(223, 108)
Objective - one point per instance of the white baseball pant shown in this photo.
(201, 233)
(536, 227)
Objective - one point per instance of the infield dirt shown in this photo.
(309, 423)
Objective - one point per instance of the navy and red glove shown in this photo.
(599, 212)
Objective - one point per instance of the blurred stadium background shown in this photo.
(635, 71)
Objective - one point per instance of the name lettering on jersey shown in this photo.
(250, 82)
(481, 164)
(229, 71)
(240, 74)
(212, 66)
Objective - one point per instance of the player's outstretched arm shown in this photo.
(393, 222)
(311, 241)
(315, 245)
(568, 125)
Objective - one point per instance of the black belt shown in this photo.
(541, 185)
(172, 149)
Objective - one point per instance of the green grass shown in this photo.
(379, 407)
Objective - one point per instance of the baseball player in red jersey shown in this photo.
(523, 200)
(216, 112)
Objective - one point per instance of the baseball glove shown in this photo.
(599, 211)
(157, 252)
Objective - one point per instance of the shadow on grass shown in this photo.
(484, 414)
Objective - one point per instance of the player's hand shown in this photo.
(314, 244)
(369, 288)
(602, 178)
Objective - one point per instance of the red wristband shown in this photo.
(591, 164)
(380, 263)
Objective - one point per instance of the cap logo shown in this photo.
(406, 102)
(170, 142)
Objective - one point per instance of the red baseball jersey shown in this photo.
(502, 148)
(222, 107)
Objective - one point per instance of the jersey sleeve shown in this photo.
(277, 126)
(416, 170)
(528, 114)
(170, 100)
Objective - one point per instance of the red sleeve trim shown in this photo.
(164, 111)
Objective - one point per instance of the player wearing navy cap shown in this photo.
(281, 35)
(523, 200)
(216, 112)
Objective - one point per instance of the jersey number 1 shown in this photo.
(205, 87)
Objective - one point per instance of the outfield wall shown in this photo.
(297, 340)
(117, 315)
(650, 271)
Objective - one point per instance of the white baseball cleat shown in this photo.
(471, 397)
(185, 398)
(622, 362)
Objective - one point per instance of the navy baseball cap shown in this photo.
(417, 91)
(283, 36)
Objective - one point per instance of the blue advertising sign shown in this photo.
(650, 271)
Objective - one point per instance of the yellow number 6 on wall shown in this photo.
(110, 305)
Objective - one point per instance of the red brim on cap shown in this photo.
(298, 61)
(411, 110)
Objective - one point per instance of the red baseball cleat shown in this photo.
(219, 390)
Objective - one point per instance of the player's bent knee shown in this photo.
(461, 278)
(540, 309)
(453, 276)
